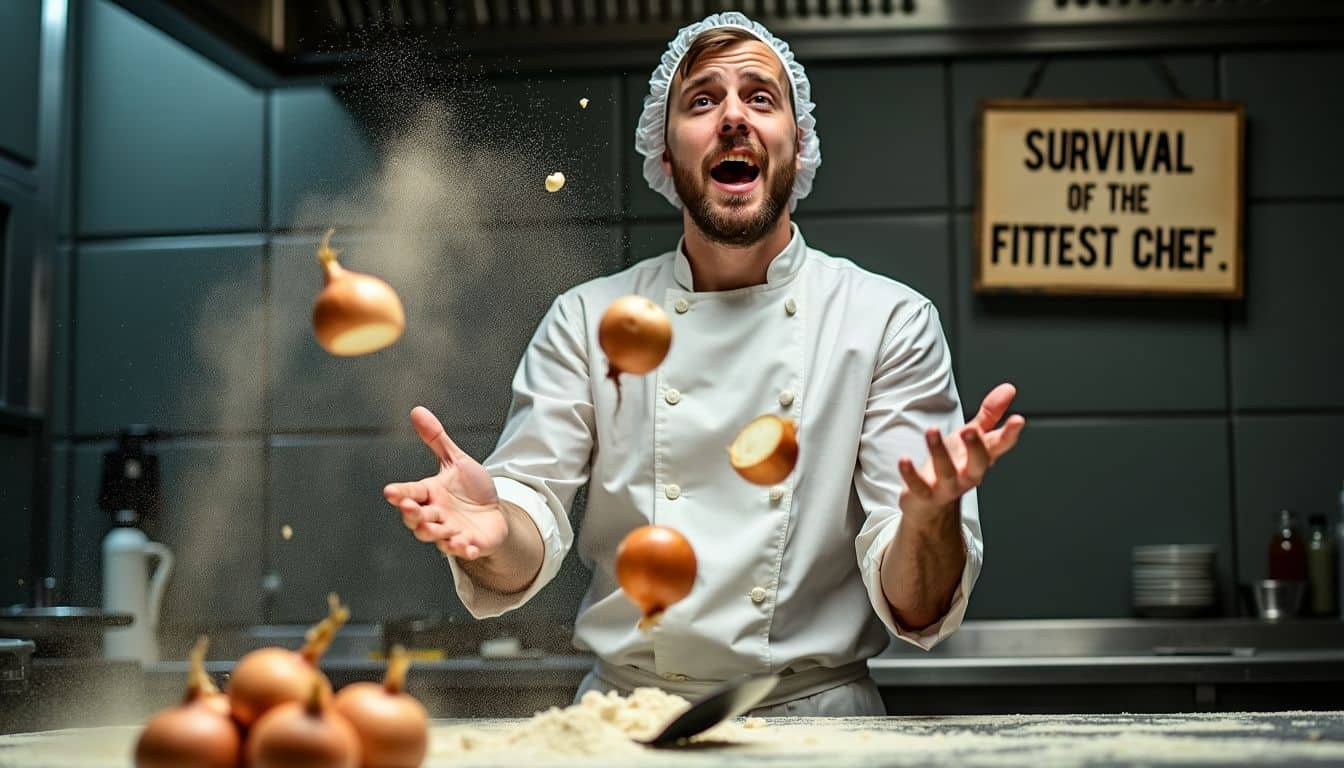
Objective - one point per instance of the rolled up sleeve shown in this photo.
(544, 454)
(913, 389)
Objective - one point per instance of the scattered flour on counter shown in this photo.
(600, 724)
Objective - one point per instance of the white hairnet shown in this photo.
(650, 134)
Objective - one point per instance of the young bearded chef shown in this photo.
(803, 578)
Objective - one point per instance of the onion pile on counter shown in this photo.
(656, 567)
(636, 334)
(280, 712)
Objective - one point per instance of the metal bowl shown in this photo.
(1273, 600)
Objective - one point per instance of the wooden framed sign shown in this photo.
(1110, 197)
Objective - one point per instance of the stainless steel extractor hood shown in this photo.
(269, 40)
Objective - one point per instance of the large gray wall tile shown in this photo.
(1072, 77)
(168, 142)
(62, 323)
(1080, 355)
(1287, 351)
(319, 155)
(1062, 512)
(639, 198)
(883, 137)
(653, 238)
(17, 497)
(58, 514)
(212, 519)
(169, 333)
(1293, 462)
(20, 47)
(1294, 116)
(912, 249)
(473, 298)
(475, 149)
(346, 538)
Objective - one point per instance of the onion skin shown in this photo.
(656, 567)
(355, 314)
(393, 728)
(775, 467)
(635, 334)
(188, 736)
(298, 735)
(269, 677)
(197, 733)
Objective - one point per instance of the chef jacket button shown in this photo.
(682, 306)
(672, 490)
(786, 398)
(758, 595)
(777, 493)
(791, 306)
(672, 397)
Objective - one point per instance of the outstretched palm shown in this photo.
(457, 508)
(958, 462)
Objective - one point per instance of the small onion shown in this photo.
(636, 335)
(766, 450)
(393, 727)
(269, 677)
(309, 734)
(195, 733)
(355, 313)
(656, 567)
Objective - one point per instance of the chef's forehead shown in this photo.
(725, 40)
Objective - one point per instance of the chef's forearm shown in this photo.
(514, 566)
(922, 568)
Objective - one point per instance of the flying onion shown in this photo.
(655, 566)
(766, 450)
(635, 334)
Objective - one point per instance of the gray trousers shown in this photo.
(859, 698)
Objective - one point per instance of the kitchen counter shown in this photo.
(1283, 738)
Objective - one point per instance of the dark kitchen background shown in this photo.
(165, 176)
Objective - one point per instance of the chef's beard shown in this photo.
(692, 183)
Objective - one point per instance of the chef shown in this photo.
(876, 530)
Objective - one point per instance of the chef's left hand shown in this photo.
(958, 462)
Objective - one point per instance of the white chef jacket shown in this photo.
(788, 576)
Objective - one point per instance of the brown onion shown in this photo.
(655, 565)
(355, 313)
(393, 727)
(635, 334)
(193, 734)
(766, 450)
(308, 734)
(268, 677)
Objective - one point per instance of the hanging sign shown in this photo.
(1107, 197)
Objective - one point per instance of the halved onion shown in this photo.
(766, 450)
(355, 313)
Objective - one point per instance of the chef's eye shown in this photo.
(701, 101)
(762, 98)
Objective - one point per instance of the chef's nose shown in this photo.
(734, 118)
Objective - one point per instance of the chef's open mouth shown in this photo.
(735, 171)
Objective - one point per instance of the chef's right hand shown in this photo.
(457, 509)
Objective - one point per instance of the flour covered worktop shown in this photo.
(1284, 738)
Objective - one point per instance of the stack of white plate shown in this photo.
(1174, 580)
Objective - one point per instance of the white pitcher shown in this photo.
(129, 586)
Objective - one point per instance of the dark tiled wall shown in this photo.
(1153, 421)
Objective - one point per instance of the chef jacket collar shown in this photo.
(782, 267)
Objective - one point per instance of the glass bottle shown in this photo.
(1321, 567)
(1287, 555)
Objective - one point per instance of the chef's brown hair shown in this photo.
(724, 37)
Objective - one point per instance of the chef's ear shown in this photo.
(667, 162)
